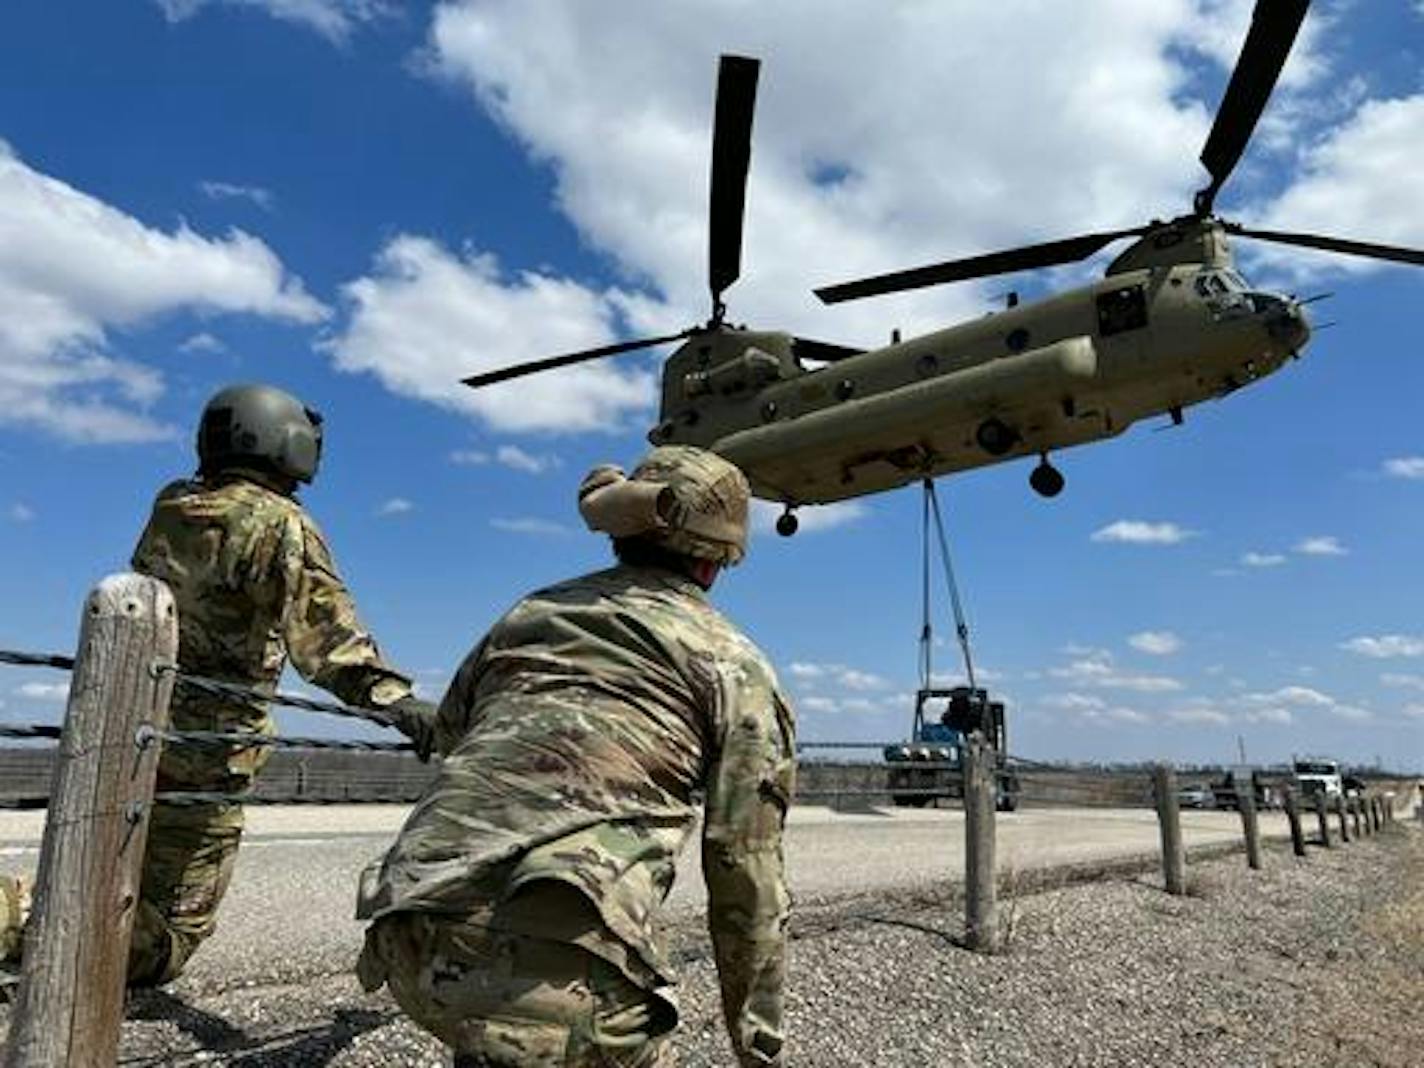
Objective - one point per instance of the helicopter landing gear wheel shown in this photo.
(787, 524)
(995, 436)
(1046, 480)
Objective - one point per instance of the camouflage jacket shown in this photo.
(574, 738)
(254, 584)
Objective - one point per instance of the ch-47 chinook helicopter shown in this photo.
(1171, 324)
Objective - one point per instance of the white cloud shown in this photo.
(1270, 715)
(1074, 702)
(1097, 669)
(395, 506)
(425, 318)
(852, 679)
(529, 525)
(44, 691)
(1299, 696)
(1413, 711)
(469, 457)
(1199, 714)
(20, 512)
(1386, 646)
(1137, 532)
(1155, 642)
(871, 171)
(1254, 559)
(72, 268)
(1352, 713)
(228, 191)
(204, 343)
(1321, 545)
(1410, 467)
(516, 459)
(817, 704)
(1357, 180)
(837, 675)
(333, 19)
(812, 518)
(1414, 682)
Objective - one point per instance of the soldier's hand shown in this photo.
(416, 720)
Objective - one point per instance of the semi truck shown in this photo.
(1317, 776)
(930, 765)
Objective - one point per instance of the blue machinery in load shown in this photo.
(931, 764)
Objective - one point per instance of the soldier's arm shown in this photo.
(748, 791)
(324, 638)
(452, 717)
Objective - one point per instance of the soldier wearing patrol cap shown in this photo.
(255, 586)
(514, 915)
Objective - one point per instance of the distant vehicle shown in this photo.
(1196, 795)
(1236, 781)
(1318, 777)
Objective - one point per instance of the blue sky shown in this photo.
(363, 201)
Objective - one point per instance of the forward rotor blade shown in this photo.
(519, 370)
(1394, 253)
(1026, 258)
(1274, 25)
(731, 157)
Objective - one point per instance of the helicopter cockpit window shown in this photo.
(1224, 291)
(1122, 309)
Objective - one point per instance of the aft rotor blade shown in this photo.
(1027, 258)
(731, 157)
(519, 370)
(1274, 25)
(1394, 253)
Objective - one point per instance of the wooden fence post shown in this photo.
(1246, 801)
(1344, 822)
(1169, 819)
(1323, 818)
(1293, 815)
(1355, 816)
(71, 996)
(980, 908)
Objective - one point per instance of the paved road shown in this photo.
(288, 915)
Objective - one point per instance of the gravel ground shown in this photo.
(1317, 962)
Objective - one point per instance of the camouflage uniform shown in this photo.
(574, 737)
(254, 584)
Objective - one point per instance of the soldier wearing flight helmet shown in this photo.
(255, 587)
(514, 917)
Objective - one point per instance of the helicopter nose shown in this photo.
(1285, 321)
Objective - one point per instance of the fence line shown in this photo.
(71, 993)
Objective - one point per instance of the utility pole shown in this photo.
(1241, 747)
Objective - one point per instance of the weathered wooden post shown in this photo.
(71, 996)
(1344, 822)
(1355, 816)
(1169, 820)
(1323, 818)
(981, 925)
(1293, 816)
(1246, 801)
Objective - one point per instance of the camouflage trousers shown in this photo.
(191, 849)
(14, 911)
(186, 871)
(502, 999)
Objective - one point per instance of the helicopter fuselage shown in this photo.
(1074, 368)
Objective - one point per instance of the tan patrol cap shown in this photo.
(686, 498)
